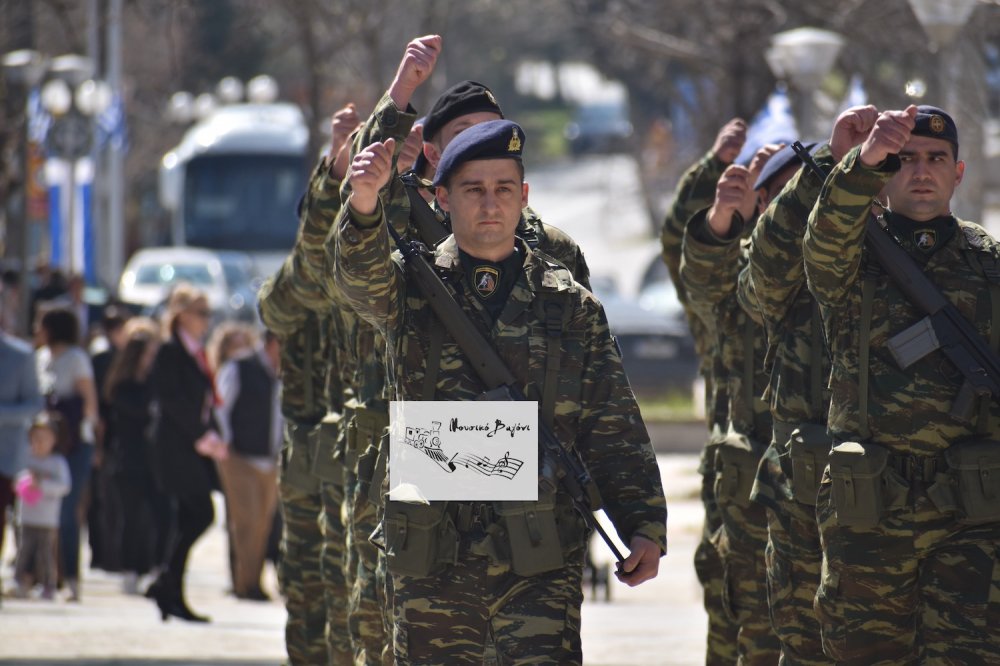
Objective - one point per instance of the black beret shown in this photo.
(935, 123)
(459, 100)
(780, 161)
(495, 139)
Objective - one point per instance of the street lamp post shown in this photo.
(73, 99)
(803, 57)
(942, 20)
(25, 69)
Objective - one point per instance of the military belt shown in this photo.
(468, 515)
(918, 468)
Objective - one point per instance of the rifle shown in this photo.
(428, 226)
(943, 328)
(557, 464)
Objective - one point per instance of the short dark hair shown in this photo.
(61, 327)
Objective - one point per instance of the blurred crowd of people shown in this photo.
(122, 426)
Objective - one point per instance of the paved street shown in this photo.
(658, 623)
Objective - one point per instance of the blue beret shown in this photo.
(495, 139)
(935, 123)
(780, 161)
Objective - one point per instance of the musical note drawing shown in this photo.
(428, 441)
(506, 467)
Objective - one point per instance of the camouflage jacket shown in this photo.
(774, 281)
(695, 192)
(299, 304)
(595, 411)
(710, 271)
(908, 410)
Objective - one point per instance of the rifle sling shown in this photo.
(428, 225)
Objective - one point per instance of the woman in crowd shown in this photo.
(145, 523)
(185, 436)
(66, 378)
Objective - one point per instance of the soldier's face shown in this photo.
(451, 129)
(923, 187)
(484, 199)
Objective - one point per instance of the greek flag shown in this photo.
(772, 124)
(39, 120)
(112, 128)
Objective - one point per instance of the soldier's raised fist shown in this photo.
(370, 172)
(851, 128)
(729, 141)
(890, 133)
(732, 194)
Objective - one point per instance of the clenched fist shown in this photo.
(891, 132)
(729, 141)
(851, 128)
(416, 67)
(370, 172)
(733, 194)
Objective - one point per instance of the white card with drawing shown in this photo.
(463, 451)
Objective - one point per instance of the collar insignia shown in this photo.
(515, 142)
(925, 239)
(485, 279)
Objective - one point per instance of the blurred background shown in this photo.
(135, 125)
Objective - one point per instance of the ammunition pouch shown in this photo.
(808, 448)
(532, 534)
(327, 459)
(295, 464)
(736, 462)
(970, 486)
(864, 485)
(420, 539)
(706, 462)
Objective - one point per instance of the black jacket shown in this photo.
(180, 389)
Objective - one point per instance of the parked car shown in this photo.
(657, 348)
(225, 277)
(599, 128)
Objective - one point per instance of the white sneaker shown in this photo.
(130, 583)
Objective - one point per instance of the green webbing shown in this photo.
(983, 425)
(816, 354)
(867, 298)
(433, 364)
(553, 330)
(310, 330)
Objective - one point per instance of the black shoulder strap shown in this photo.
(430, 228)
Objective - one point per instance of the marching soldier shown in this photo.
(447, 611)
(909, 509)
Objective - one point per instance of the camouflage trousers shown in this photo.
(741, 542)
(336, 589)
(451, 617)
(299, 573)
(722, 630)
(918, 588)
(368, 615)
(793, 557)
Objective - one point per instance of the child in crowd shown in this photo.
(41, 488)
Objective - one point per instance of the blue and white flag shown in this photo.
(39, 120)
(772, 124)
(112, 128)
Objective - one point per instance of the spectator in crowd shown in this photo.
(20, 400)
(145, 516)
(66, 378)
(228, 340)
(184, 438)
(10, 301)
(41, 486)
(249, 418)
(103, 509)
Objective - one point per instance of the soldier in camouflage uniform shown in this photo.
(310, 479)
(713, 257)
(774, 282)
(447, 612)
(695, 192)
(909, 508)
(462, 105)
